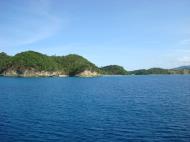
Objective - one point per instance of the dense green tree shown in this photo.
(70, 64)
(114, 70)
(150, 71)
(4, 61)
(74, 64)
(34, 60)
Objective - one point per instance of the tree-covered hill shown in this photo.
(150, 71)
(114, 70)
(73, 64)
(34, 60)
(69, 65)
(31, 63)
(4, 61)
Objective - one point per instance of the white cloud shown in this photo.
(33, 22)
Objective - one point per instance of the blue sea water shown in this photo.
(102, 109)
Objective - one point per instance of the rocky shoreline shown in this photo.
(34, 73)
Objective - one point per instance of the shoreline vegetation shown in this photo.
(34, 64)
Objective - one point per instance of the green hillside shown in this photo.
(114, 70)
(4, 61)
(73, 64)
(30, 60)
(34, 60)
(150, 71)
(67, 65)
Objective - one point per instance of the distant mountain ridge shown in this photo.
(183, 68)
(114, 69)
(31, 63)
(150, 71)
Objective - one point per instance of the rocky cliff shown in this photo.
(88, 73)
(32, 73)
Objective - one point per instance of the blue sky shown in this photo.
(133, 33)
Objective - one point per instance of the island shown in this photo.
(35, 64)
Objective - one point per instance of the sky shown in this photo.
(135, 34)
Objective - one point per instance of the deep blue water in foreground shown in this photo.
(103, 109)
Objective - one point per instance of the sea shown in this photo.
(152, 108)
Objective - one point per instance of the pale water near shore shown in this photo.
(103, 109)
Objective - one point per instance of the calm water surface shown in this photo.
(104, 109)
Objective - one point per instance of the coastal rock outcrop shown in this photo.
(32, 73)
(88, 73)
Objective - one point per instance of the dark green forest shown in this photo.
(70, 65)
(113, 70)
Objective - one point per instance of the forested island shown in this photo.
(34, 64)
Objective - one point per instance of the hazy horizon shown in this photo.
(134, 34)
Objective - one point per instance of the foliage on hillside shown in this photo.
(34, 60)
(114, 70)
(150, 71)
(4, 61)
(73, 64)
(70, 64)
